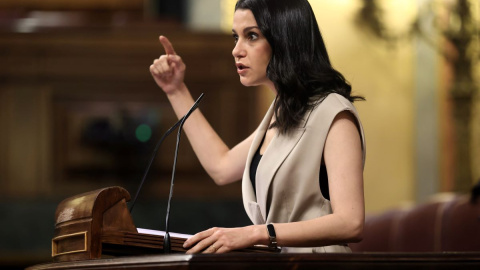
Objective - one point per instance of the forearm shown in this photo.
(222, 165)
(207, 145)
(322, 231)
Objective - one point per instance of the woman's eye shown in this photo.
(235, 37)
(252, 36)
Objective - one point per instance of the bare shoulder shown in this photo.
(343, 142)
(346, 124)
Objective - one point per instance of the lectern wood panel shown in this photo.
(81, 220)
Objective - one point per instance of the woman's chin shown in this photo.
(247, 83)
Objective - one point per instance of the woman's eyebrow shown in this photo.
(246, 29)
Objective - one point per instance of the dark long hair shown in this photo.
(300, 67)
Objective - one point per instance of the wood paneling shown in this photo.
(105, 66)
(73, 4)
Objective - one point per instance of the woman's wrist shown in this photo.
(178, 92)
(260, 235)
(181, 100)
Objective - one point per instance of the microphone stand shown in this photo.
(166, 238)
(154, 154)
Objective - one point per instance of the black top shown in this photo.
(253, 167)
(324, 182)
(322, 175)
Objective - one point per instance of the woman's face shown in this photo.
(252, 52)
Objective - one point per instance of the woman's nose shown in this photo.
(238, 51)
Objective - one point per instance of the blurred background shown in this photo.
(79, 110)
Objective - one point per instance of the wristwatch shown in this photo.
(272, 237)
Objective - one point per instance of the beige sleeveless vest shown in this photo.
(287, 183)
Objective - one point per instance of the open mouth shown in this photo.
(241, 66)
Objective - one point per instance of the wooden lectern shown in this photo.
(98, 223)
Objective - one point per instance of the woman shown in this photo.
(302, 169)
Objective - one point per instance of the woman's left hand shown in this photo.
(221, 240)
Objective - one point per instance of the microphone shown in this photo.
(154, 154)
(166, 238)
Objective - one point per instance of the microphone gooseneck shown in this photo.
(166, 238)
(154, 154)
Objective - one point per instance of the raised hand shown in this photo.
(168, 70)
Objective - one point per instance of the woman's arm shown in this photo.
(344, 161)
(224, 165)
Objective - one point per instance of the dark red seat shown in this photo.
(378, 232)
(461, 226)
(452, 225)
(419, 229)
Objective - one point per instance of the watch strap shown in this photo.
(272, 236)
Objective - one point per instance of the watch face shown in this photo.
(271, 230)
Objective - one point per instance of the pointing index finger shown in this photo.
(167, 45)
